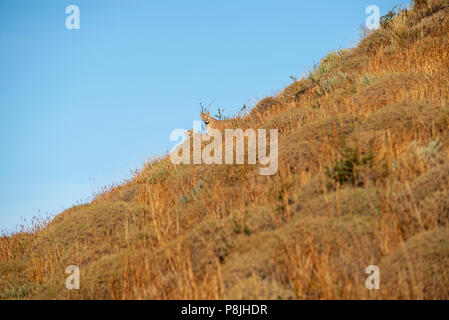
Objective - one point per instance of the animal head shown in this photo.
(205, 117)
(189, 133)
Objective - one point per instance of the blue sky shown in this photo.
(81, 108)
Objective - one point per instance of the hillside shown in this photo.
(363, 180)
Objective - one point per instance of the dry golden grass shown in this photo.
(225, 232)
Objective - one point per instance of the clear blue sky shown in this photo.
(81, 108)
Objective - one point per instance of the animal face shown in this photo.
(205, 117)
(189, 133)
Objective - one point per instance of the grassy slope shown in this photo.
(362, 180)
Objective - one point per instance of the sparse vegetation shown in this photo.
(347, 169)
(310, 231)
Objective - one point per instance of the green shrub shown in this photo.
(329, 84)
(386, 19)
(366, 80)
(238, 228)
(431, 150)
(346, 169)
(327, 64)
(16, 292)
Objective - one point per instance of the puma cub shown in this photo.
(212, 123)
(189, 133)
